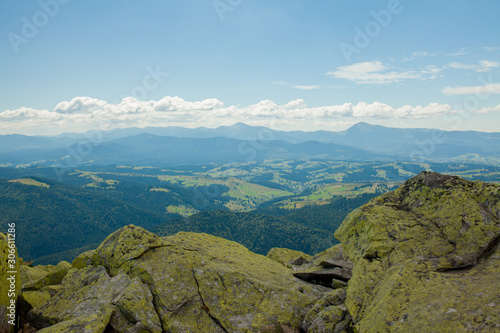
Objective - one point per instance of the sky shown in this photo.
(79, 65)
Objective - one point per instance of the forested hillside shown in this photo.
(258, 232)
(276, 203)
(309, 229)
(52, 217)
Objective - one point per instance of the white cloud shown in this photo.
(295, 104)
(79, 105)
(461, 52)
(491, 88)
(301, 87)
(491, 48)
(426, 54)
(372, 72)
(296, 86)
(489, 109)
(84, 113)
(420, 55)
(381, 110)
(482, 66)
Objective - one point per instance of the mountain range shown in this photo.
(173, 146)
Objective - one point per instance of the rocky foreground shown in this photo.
(424, 258)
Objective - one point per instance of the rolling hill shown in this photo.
(52, 217)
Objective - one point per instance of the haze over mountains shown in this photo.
(172, 146)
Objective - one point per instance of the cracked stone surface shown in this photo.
(89, 297)
(330, 268)
(136, 281)
(426, 248)
(35, 278)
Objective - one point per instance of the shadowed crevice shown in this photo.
(205, 307)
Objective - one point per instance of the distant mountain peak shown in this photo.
(365, 127)
(240, 125)
(361, 123)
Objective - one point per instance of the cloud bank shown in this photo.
(373, 72)
(492, 88)
(85, 113)
(376, 72)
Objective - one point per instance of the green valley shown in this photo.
(287, 203)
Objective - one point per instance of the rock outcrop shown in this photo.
(330, 268)
(136, 281)
(290, 258)
(426, 258)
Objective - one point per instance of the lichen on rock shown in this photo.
(426, 257)
(289, 258)
(188, 282)
(35, 278)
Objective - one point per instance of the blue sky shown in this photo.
(74, 65)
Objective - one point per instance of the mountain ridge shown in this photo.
(375, 141)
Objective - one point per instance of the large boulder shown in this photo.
(90, 299)
(330, 268)
(35, 278)
(426, 258)
(136, 281)
(290, 258)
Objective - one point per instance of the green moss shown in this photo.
(192, 282)
(35, 278)
(287, 257)
(403, 243)
(89, 296)
(333, 252)
(31, 299)
(327, 319)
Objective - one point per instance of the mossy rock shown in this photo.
(189, 282)
(335, 251)
(426, 257)
(327, 319)
(287, 257)
(31, 299)
(89, 297)
(35, 278)
(333, 298)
